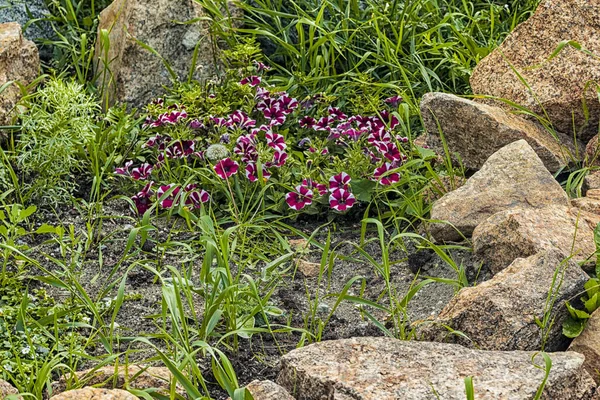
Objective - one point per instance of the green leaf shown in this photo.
(46, 229)
(575, 313)
(592, 304)
(363, 189)
(592, 287)
(573, 327)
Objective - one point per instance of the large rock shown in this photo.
(108, 377)
(20, 62)
(592, 156)
(475, 131)
(267, 390)
(136, 75)
(6, 389)
(383, 368)
(512, 177)
(559, 84)
(23, 11)
(90, 393)
(588, 344)
(520, 233)
(591, 182)
(500, 314)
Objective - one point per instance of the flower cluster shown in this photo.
(310, 140)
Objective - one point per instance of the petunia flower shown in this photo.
(341, 200)
(252, 81)
(339, 181)
(124, 170)
(196, 124)
(252, 172)
(336, 114)
(196, 198)
(279, 158)
(275, 116)
(310, 184)
(226, 168)
(382, 174)
(241, 120)
(260, 67)
(307, 122)
(393, 101)
(142, 172)
(142, 198)
(275, 140)
(299, 199)
(169, 201)
(389, 151)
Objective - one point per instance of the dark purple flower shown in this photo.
(337, 114)
(275, 140)
(225, 139)
(262, 93)
(299, 199)
(402, 139)
(168, 201)
(173, 117)
(341, 200)
(142, 199)
(226, 168)
(196, 198)
(241, 120)
(393, 101)
(260, 67)
(124, 171)
(279, 158)
(389, 150)
(252, 172)
(304, 142)
(251, 80)
(323, 124)
(389, 119)
(339, 181)
(286, 103)
(220, 121)
(310, 184)
(379, 136)
(384, 177)
(275, 116)
(142, 172)
(196, 124)
(307, 122)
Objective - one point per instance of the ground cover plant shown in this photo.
(232, 220)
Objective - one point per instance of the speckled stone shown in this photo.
(588, 344)
(591, 182)
(22, 11)
(559, 84)
(6, 389)
(89, 393)
(388, 369)
(523, 232)
(138, 76)
(19, 61)
(500, 314)
(267, 390)
(151, 378)
(512, 177)
(475, 131)
(592, 156)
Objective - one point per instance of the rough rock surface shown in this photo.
(89, 393)
(591, 182)
(151, 377)
(388, 369)
(588, 344)
(475, 131)
(512, 177)
(559, 84)
(6, 389)
(267, 390)
(138, 75)
(587, 204)
(500, 314)
(21, 11)
(19, 61)
(591, 152)
(520, 233)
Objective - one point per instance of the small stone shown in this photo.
(523, 232)
(145, 378)
(308, 269)
(385, 368)
(512, 177)
(22, 11)
(6, 389)
(19, 61)
(555, 87)
(587, 204)
(501, 314)
(588, 344)
(475, 131)
(267, 390)
(298, 244)
(89, 393)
